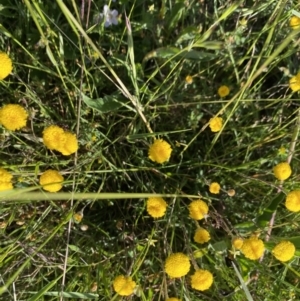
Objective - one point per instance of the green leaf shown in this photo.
(265, 217)
(37, 296)
(73, 295)
(104, 105)
(244, 286)
(187, 34)
(220, 246)
(245, 227)
(176, 14)
(168, 52)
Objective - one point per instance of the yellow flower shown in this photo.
(202, 280)
(282, 171)
(284, 251)
(223, 91)
(253, 248)
(172, 299)
(13, 117)
(177, 265)
(189, 79)
(124, 285)
(214, 188)
(201, 236)
(160, 151)
(237, 243)
(198, 209)
(295, 82)
(70, 146)
(295, 22)
(156, 207)
(54, 137)
(6, 186)
(292, 201)
(215, 124)
(5, 180)
(51, 180)
(5, 176)
(5, 65)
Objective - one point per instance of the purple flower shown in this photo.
(109, 16)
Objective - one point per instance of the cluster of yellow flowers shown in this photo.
(283, 171)
(14, 117)
(253, 248)
(178, 265)
(5, 180)
(55, 138)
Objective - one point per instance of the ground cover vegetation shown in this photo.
(149, 150)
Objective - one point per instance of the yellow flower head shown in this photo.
(70, 146)
(160, 151)
(51, 180)
(189, 79)
(54, 137)
(294, 83)
(253, 248)
(214, 188)
(201, 236)
(5, 65)
(13, 117)
(295, 22)
(177, 265)
(202, 280)
(237, 243)
(124, 285)
(172, 299)
(292, 201)
(198, 209)
(6, 186)
(284, 251)
(223, 91)
(5, 180)
(282, 171)
(215, 124)
(5, 176)
(156, 207)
